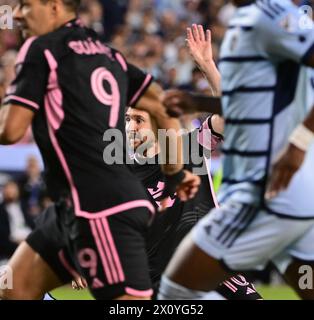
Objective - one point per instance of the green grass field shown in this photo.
(268, 293)
(277, 293)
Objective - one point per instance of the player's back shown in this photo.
(82, 88)
(259, 63)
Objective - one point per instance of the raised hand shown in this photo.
(200, 44)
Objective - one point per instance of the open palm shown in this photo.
(199, 44)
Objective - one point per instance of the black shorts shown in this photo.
(171, 233)
(109, 252)
(47, 240)
(238, 288)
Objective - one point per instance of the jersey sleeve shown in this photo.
(285, 33)
(139, 81)
(207, 138)
(29, 86)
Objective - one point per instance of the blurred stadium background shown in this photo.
(151, 34)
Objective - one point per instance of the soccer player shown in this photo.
(72, 88)
(170, 227)
(260, 60)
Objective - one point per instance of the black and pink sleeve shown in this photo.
(30, 84)
(207, 137)
(138, 84)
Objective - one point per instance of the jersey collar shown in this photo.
(74, 22)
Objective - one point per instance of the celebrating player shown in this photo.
(170, 227)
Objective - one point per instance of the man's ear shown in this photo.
(54, 4)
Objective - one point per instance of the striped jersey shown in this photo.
(298, 200)
(78, 88)
(264, 46)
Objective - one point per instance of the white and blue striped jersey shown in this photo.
(263, 49)
(298, 199)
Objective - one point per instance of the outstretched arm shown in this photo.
(200, 45)
(151, 103)
(179, 102)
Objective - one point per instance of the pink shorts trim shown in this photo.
(139, 293)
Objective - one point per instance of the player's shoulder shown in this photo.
(261, 12)
(44, 41)
(118, 56)
(33, 48)
(277, 17)
(31, 51)
(268, 11)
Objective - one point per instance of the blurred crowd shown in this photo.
(23, 197)
(151, 35)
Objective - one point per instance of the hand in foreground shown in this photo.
(79, 283)
(186, 189)
(284, 169)
(178, 102)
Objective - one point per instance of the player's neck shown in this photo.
(64, 19)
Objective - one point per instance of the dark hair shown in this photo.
(73, 5)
